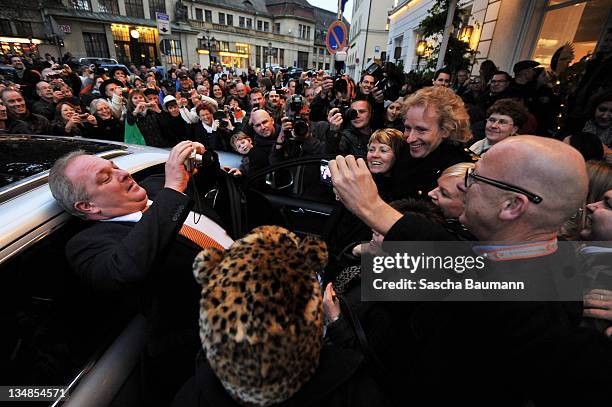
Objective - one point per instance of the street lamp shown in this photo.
(421, 49)
(270, 54)
(466, 33)
(210, 44)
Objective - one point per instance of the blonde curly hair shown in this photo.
(448, 107)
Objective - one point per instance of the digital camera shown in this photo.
(193, 161)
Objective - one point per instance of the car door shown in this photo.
(290, 194)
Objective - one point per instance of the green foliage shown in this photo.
(458, 53)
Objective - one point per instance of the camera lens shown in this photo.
(351, 114)
(300, 128)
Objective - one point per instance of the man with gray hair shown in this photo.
(142, 249)
(47, 100)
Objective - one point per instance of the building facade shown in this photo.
(260, 33)
(368, 34)
(507, 31)
(122, 29)
(236, 33)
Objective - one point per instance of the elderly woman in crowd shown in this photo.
(436, 127)
(70, 122)
(109, 127)
(504, 119)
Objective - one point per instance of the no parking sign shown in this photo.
(336, 37)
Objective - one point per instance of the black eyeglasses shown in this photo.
(469, 174)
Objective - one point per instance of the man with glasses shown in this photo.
(499, 88)
(520, 192)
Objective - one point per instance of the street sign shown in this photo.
(163, 23)
(336, 37)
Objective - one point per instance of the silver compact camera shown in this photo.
(193, 161)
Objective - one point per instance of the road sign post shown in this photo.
(163, 23)
(336, 37)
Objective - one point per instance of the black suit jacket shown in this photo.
(150, 263)
(147, 259)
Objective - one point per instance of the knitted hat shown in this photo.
(261, 313)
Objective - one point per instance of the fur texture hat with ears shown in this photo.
(261, 315)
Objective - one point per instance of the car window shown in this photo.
(52, 326)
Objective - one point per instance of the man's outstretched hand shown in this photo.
(177, 176)
(354, 185)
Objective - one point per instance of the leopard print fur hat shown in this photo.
(261, 313)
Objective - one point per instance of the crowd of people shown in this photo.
(281, 320)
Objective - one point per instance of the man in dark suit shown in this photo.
(134, 250)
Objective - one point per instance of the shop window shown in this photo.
(199, 14)
(109, 6)
(133, 8)
(81, 5)
(96, 45)
(208, 16)
(579, 24)
(24, 28)
(249, 23)
(241, 22)
(175, 55)
(222, 18)
(157, 6)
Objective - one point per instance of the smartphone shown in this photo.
(84, 116)
(325, 173)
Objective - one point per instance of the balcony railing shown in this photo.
(266, 35)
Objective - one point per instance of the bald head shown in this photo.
(545, 167)
(554, 169)
(263, 124)
(241, 90)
